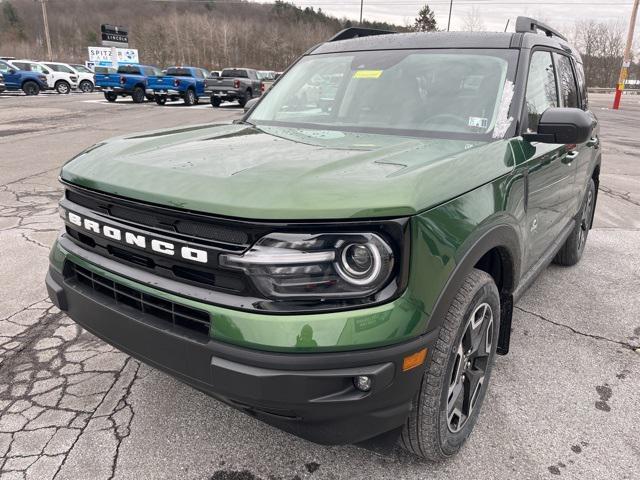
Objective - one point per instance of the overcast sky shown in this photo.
(493, 13)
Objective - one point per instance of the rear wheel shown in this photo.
(86, 86)
(571, 251)
(189, 97)
(110, 96)
(138, 95)
(215, 101)
(31, 88)
(455, 382)
(160, 99)
(62, 87)
(246, 96)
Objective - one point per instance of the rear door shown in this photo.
(550, 171)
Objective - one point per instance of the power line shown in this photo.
(387, 3)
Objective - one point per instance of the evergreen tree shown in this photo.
(425, 21)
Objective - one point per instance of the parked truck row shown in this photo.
(186, 83)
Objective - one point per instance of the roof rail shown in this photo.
(355, 32)
(530, 25)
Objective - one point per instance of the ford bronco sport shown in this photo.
(342, 264)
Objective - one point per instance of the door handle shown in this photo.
(570, 157)
(593, 142)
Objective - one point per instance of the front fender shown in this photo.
(449, 240)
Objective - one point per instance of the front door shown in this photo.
(551, 168)
(11, 80)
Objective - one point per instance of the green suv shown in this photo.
(342, 262)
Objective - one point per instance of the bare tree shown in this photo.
(473, 20)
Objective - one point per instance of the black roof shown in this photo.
(420, 40)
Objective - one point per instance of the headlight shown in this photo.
(327, 265)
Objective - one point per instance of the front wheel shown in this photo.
(160, 99)
(31, 88)
(63, 87)
(215, 101)
(571, 251)
(455, 382)
(110, 96)
(86, 86)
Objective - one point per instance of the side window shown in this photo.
(568, 87)
(582, 86)
(542, 92)
(4, 67)
(199, 73)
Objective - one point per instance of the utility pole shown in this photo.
(46, 29)
(626, 60)
(361, 6)
(450, 8)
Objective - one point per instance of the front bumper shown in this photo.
(308, 394)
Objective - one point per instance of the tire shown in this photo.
(62, 87)
(573, 248)
(215, 101)
(160, 99)
(246, 96)
(189, 97)
(110, 96)
(86, 86)
(31, 88)
(150, 98)
(138, 95)
(430, 431)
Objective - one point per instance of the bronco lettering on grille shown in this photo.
(137, 240)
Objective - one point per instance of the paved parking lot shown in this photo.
(565, 402)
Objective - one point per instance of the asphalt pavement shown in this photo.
(564, 403)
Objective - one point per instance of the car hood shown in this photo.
(280, 173)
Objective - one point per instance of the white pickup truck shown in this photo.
(61, 82)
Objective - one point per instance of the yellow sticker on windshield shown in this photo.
(367, 74)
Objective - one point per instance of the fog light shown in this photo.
(362, 383)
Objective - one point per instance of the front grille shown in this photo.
(159, 309)
(163, 219)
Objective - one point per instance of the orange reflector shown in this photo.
(414, 360)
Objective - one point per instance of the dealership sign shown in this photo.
(114, 36)
(103, 55)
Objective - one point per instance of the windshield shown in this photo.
(59, 68)
(437, 93)
(82, 68)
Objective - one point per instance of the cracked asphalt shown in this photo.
(564, 403)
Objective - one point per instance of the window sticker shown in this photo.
(367, 74)
(478, 122)
(503, 120)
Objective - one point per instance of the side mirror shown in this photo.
(11, 71)
(249, 105)
(562, 125)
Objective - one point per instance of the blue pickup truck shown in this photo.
(29, 82)
(127, 80)
(188, 83)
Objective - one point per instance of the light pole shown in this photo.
(361, 5)
(46, 29)
(626, 60)
(450, 8)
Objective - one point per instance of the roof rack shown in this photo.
(530, 25)
(355, 32)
